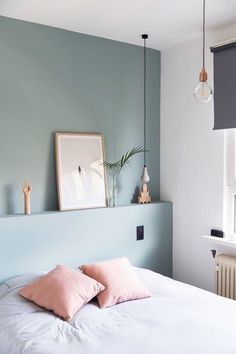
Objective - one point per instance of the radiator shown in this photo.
(226, 276)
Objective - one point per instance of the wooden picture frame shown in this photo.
(81, 178)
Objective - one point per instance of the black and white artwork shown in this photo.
(80, 171)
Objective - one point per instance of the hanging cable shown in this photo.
(203, 91)
(204, 33)
(144, 37)
(145, 177)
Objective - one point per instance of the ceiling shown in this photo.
(168, 22)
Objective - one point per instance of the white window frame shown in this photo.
(230, 183)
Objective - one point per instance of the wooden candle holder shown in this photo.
(144, 196)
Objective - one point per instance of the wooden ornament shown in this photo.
(27, 189)
(144, 196)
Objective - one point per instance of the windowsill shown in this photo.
(221, 241)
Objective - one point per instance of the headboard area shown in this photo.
(40, 241)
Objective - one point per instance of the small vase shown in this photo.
(113, 200)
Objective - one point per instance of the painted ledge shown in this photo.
(17, 215)
(220, 241)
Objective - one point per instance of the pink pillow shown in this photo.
(63, 290)
(120, 281)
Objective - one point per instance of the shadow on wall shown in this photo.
(135, 195)
(51, 183)
(8, 194)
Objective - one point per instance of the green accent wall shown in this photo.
(40, 241)
(56, 80)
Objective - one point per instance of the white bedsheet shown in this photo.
(179, 319)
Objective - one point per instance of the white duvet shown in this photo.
(178, 319)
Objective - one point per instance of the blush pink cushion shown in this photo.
(63, 290)
(120, 281)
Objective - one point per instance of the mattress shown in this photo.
(178, 319)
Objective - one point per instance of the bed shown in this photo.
(178, 319)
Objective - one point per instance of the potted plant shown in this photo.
(114, 169)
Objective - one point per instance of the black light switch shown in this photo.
(140, 232)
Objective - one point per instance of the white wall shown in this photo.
(192, 160)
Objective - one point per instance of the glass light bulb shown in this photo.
(145, 177)
(203, 92)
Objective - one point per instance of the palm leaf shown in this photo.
(129, 154)
(114, 168)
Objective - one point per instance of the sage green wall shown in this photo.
(40, 241)
(56, 80)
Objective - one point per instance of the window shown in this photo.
(230, 183)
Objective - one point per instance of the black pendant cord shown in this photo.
(145, 36)
(203, 33)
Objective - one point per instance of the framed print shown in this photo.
(81, 181)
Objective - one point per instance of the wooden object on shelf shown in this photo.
(144, 196)
(27, 189)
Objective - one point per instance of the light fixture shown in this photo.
(203, 92)
(145, 177)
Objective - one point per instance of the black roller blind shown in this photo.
(225, 86)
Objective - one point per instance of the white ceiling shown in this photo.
(168, 22)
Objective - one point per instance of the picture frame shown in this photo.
(81, 178)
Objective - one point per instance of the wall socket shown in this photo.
(140, 233)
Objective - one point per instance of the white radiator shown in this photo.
(226, 276)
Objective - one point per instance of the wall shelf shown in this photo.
(18, 215)
(220, 241)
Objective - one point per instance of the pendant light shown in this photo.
(203, 92)
(145, 177)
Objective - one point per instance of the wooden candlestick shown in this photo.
(144, 196)
(27, 189)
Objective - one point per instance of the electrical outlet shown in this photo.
(140, 233)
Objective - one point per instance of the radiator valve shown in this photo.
(213, 252)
